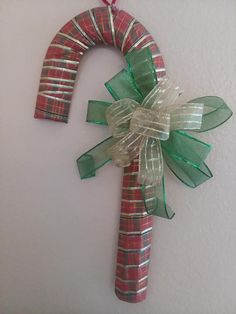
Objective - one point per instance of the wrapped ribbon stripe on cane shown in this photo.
(148, 125)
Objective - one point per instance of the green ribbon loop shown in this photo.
(122, 86)
(138, 80)
(142, 69)
(216, 112)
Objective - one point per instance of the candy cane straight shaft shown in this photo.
(109, 26)
(134, 245)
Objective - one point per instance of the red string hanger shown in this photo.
(113, 2)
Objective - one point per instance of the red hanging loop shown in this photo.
(108, 3)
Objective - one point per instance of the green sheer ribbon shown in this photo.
(184, 154)
(95, 158)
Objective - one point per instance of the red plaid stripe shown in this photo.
(133, 225)
(132, 257)
(53, 102)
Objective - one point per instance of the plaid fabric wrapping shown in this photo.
(104, 25)
(134, 244)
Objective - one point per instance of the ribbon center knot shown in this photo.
(150, 123)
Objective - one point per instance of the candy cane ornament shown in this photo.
(147, 123)
(109, 26)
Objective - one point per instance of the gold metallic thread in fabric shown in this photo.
(127, 34)
(96, 27)
(82, 32)
(112, 25)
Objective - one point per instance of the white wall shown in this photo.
(58, 234)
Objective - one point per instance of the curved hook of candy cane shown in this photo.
(101, 25)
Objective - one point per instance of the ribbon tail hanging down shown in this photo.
(154, 197)
(150, 162)
(151, 170)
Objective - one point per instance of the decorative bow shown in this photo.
(147, 121)
(143, 126)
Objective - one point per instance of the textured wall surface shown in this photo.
(58, 235)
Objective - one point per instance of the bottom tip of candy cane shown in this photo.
(131, 297)
(50, 116)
